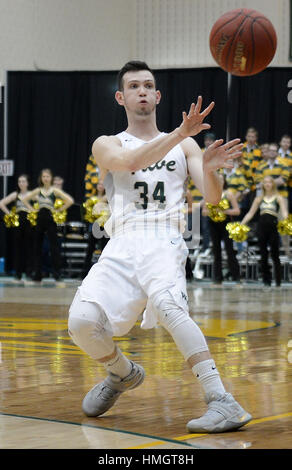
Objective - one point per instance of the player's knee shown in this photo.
(170, 313)
(79, 327)
(91, 335)
(174, 317)
(86, 320)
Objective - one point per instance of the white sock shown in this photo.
(208, 375)
(119, 365)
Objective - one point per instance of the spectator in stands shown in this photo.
(91, 178)
(239, 180)
(285, 146)
(251, 151)
(252, 157)
(93, 188)
(285, 157)
(58, 182)
(264, 151)
(272, 166)
(270, 203)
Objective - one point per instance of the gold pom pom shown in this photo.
(59, 216)
(11, 219)
(215, 213)
(237, 231)
(90, 216)
(58, 203)
(285, 226)
(32, 217)
(103, 217)
(224, 204)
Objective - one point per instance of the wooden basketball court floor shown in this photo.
(44, 376)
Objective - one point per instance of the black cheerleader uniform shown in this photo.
(24, 241)
(268, 236)
(218, 233)
(46, 224)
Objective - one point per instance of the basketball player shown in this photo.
(142, 268)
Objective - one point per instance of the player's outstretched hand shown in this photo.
(192, 123)
(219, 155)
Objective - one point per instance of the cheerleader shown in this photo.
(218, 233)
(23, 232)
(270, 204)
(46, 195)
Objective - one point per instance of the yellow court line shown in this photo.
(269, 418)
(189, 436)
(145, 446)
(49, 351)
(14, 333)
(152, 444)
(31, 320)
(55, 351)
(194, 436)
(36, 343)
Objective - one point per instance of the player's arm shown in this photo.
(7, 200)
(203, 167)
(109, 154)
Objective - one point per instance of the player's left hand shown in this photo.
(219, 155)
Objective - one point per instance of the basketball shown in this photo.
(243, 42)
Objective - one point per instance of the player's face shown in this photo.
(139, 95)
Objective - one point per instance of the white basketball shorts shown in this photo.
(130, 271)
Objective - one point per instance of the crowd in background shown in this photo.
(243, 188)
(242, 185)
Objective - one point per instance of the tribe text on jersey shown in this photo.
(152, 198)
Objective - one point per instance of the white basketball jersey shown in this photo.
(151, 199)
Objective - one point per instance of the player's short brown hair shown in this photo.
(132, 66)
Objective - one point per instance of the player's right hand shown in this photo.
(192, 123)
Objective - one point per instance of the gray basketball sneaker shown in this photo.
(104, 395)
(223, 414)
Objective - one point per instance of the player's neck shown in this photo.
(143, 129)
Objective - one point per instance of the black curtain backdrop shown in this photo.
(54, 117)
(290, 49)
(2, 229)
(261, 101)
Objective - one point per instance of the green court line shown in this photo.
(164, 439)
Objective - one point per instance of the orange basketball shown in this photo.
(243, 42)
